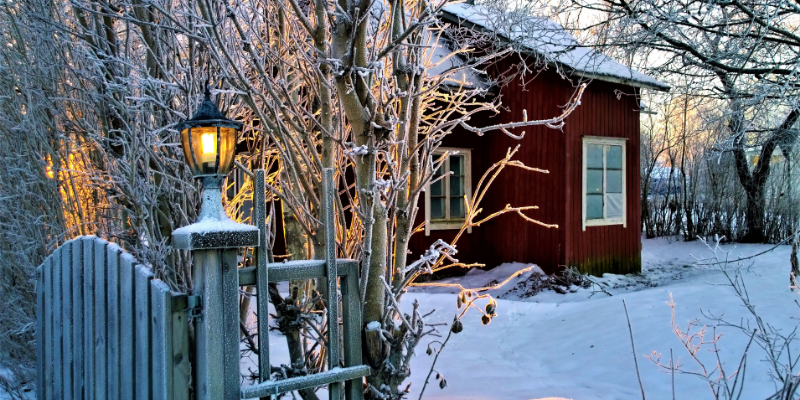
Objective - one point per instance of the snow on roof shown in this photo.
(441, 61)
(550, 40)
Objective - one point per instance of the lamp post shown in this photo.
(209, 144)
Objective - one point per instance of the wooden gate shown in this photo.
(106, 329)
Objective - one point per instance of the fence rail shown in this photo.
(106, 329)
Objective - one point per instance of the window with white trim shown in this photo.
(451, 188)
(603, 181)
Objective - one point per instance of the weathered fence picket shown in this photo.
(143, 335)
(113, 253)
(106, 329)
(100, 339)
(66, 320)
(88, 313)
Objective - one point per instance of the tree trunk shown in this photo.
(754, 216)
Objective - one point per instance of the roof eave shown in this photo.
(624, 81)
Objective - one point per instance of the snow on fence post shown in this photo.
(85, 347)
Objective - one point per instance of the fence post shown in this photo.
(214, 241)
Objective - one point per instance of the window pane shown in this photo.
(457, 207)
(437, 188)
(594, 206)
(614, 205)
(457, 165)
(594, 156)
(614, 181)
(594, 181)
(614, 157)
(437, 207)
(456, 186)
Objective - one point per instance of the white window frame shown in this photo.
(605, 141)
(449, 223)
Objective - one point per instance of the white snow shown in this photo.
(551, 40)
(441, 61)
(213, 218)
(214, 225)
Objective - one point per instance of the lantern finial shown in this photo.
(207, 92)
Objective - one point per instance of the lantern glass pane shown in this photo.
(187, 151)
(201, 146)
(228, 149)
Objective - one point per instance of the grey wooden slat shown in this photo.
(77, 319)
(351, 316)
(66, 319)
(40, 324)
(127, 383)
(230, 322)
(262, 275)
(335, 388)
(162, 343)
(88, 316)
(49, 340)
(143, 336)
(209, 329)
(58, 328)
(300, 382)
(113, 316)
(99, 342)
(293, 270)
(179, 331)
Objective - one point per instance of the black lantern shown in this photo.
(209, 141)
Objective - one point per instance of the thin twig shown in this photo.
(635, 363)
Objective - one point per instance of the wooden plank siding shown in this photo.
(97, 331)
(612, 248)
(509, 238)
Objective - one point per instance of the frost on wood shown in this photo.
(214, 229)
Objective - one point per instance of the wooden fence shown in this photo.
(106, 329)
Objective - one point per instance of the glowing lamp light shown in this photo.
(209, 141)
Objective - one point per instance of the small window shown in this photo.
(603, 181)
(446, 197)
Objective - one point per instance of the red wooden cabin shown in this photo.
(592, 190)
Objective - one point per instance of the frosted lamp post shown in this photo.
(209, 144)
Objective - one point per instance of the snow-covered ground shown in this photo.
(577, 345)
